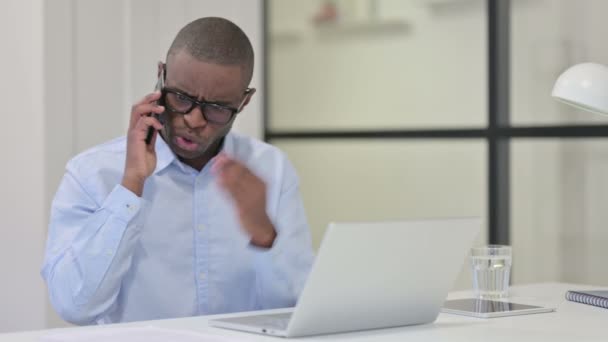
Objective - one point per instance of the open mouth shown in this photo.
(186, 144)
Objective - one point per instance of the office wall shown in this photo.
(71, 71)
(22, 177)
(386, 68)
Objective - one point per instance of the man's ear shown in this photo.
(248, 95)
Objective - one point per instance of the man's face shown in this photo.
(190, 136)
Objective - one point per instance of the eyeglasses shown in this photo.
(178, 102)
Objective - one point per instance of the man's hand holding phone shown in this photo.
(141, 157)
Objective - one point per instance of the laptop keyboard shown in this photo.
(272, 321)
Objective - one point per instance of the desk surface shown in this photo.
(571, 322)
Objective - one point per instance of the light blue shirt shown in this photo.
(177, 251)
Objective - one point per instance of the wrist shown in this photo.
(133, 183)
(265, 236)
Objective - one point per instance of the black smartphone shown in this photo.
(160, 84)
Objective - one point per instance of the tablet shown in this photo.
(484, 308)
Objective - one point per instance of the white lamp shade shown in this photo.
(584, 86)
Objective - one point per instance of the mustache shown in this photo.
(183, 132)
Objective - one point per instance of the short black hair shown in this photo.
(215, 40)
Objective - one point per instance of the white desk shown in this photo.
(571, 322)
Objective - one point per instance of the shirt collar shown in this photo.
(164, 155)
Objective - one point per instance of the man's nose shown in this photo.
(195, 118)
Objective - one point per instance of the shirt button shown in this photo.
(201, 227)
(201, 276)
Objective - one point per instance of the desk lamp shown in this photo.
(584, 86)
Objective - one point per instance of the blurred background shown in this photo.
(385, 107)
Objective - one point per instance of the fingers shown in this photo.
(149, 98)
(220, 162)
(145, 106)
(143, 111)
(140, 131)
(229, 169)
(152, 144)
(248, 192)
(147, 121)
(233, 176)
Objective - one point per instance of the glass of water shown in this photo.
(491, 267)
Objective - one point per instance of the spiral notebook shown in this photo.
(595, 298)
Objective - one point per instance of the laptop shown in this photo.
(372, 275)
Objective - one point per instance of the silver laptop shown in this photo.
(372, 275)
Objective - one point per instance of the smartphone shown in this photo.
(483, 308)
(160, 84)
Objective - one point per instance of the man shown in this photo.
(198, 221)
